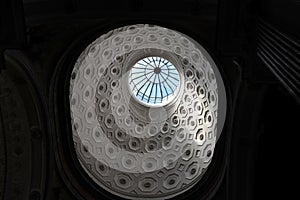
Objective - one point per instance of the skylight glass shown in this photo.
(154, 80)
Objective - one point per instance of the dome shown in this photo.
(144, 104)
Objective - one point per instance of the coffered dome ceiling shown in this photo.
(147, 106)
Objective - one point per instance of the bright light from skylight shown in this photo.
(154, 80)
